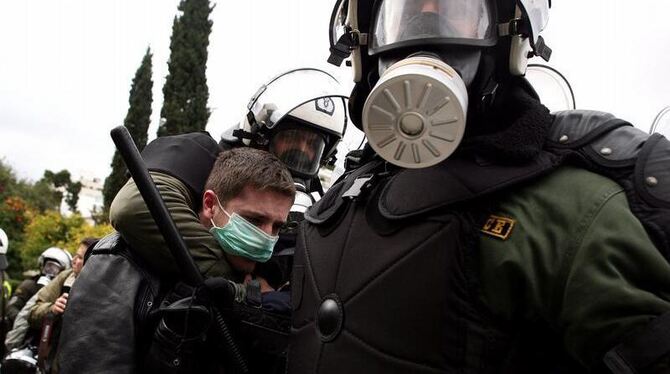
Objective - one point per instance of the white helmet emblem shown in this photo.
(325, 105)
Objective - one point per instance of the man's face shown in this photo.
(299, 149)
(266, 209)
(78, 259)
(303, 141)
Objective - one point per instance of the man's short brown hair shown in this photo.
(241, 167)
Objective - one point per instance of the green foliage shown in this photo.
(29, 215)
(60, 179)
(15, 214)
(137, 122)
(139, 113)
(40, 195)
(7, 178)
(85, 231)
(113, 183)
(72, 196)
(185, 91)
(100, 216)
(51, 229)
(58, 182)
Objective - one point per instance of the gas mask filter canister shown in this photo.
(415, 115)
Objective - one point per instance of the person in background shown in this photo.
(51, 262)
(51, 303)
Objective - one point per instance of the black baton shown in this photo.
(140, 174)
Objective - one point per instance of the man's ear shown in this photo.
(209, 201)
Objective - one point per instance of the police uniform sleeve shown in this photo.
(46, 297)
(23, 293)
(130, 216)
(581, 262)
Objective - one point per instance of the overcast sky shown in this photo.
(66, 66)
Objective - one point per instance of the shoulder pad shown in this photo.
(576, 128)
(652, 171)
(113, 244)
(108, 244)
(608, 140)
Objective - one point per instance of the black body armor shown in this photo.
(384, 280)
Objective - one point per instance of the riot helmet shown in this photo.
(299, 116)
(418, 64)
(4, 246)
(4, 241)
(51, 262)
(20, 361)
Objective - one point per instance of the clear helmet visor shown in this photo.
(292, 89)
(661, 123)
(537, 12)
(299, 149)
(401, 22)
(51, 268)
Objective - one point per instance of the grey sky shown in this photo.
(66, 66)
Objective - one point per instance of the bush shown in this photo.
(51, 229)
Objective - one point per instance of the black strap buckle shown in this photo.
(542, 50)
(342, 49)
(361, 184)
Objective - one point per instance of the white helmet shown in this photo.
(4, 241)
(530, 19)
(300, 116)
(55, 254)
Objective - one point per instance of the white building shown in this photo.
(90, 198)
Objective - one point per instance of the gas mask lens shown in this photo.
(299, 149)
(401, 22)
(51, 269)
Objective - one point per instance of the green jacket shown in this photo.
(130, 216)
(47, 296)
(577, 259)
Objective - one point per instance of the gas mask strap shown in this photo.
(345, 44)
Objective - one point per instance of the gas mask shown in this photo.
(428, 56)
(415, 115)
(49, 272)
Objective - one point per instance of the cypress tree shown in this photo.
(137, 122)
(185, 92)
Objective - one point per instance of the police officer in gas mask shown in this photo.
(300, 117)
(480, 232)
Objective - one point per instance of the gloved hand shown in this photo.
(218, 290)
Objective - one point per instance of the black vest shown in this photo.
(382, 280)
